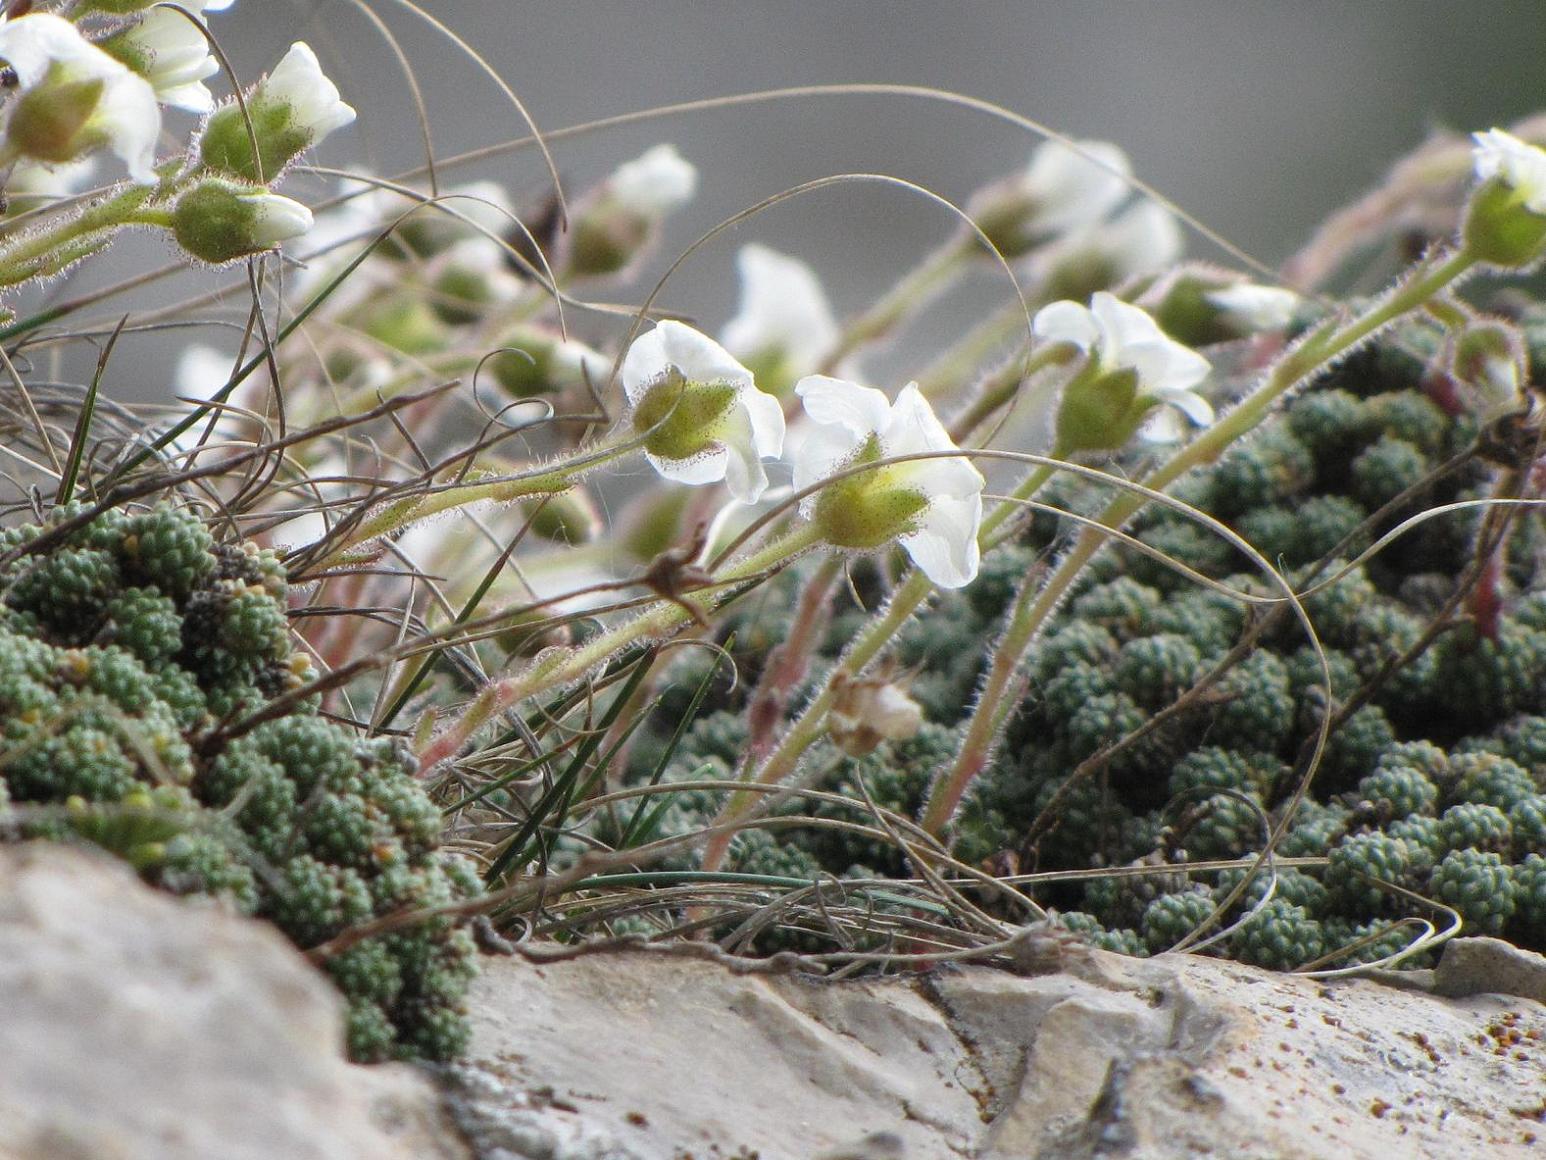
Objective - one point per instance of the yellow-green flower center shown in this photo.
(1501, 229)
(680, 419)
(1099, 410)
(869, 509)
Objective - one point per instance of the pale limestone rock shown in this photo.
(633, 1056)
(134, 1025)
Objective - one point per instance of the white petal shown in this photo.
(699, 357)
(744, 474)
(1122, 324)
(1066, 321)
(1258, 307)
(31, 44)
(912, 428)
(179, 58)
(483, 203)
(33, 179)
(655, 183)
(912, 425)
(193, 97)
(298, 80)
(1133, 339)
(201, 371)
(765, 417)
(579, 363)
(822, 450)
(1143, 239)
(708, 467)
(132, 119)
(1074, 187)
(670, 344)
(1189, 403)
(1165, 366)
(1162, 425)
(944, 545)
(127, 109)
(857, 410)
(278, 219)
(783, 308)
(1500, 154)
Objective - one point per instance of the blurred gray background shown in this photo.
(1258, 117)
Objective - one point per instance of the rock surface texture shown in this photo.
(134, 1026)
(634, 1055)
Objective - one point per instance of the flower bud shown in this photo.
(533, 362)
(1505, 221)
(1489, 357)
(1062, 189)
(1200, 305)
(617, 224)
(868, 711)
(292, 109)
(470, 279)
(220, 221)
(402, 321)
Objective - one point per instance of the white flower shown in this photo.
(299, 82)
(1491, 362)
(932, 507)
(536, 361)
(1521, 165)
(1140, 240)
(477, 209)
(699, 411)
(54, 64)
(169, 51)
(867, 711)
(655, 183)
(220, 221)
(1256, 307)
(1073, 187)
(471, 278)
(1132, 366)
(276, 219)
(784, 321)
